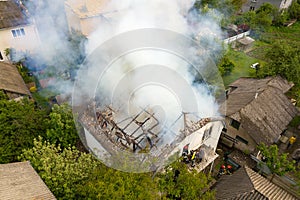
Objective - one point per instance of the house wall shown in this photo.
(213, 140)
(73, 20)
(91, 24)
(94, 145)
(28, 41)
(196, 139)
(281, 4)
(242, 133)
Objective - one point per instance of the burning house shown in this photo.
(143, 141)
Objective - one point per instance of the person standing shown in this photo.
(292, 140)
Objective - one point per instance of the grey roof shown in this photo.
(19, 181)
(261, 107)
(11, 15)
(246, 40)
(247, 184)
(243, 91)
(11, 80)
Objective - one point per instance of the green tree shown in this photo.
(20, 123)
(108, 183)
(61, 125)
(294, 10)
(225, 66)
(283, 59)
(178, 182)
(63, 170)
(278, 164)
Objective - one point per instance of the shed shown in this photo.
(245, 43)
(11, 81)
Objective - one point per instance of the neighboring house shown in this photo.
(16, 30)
(255, 4)
(19, 181)
(257, 111)
(11, 82)
(247, 184)
(85, 15)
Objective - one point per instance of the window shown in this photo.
(22, 31)
(207, 133)
(235, 124)
(241, 139)
(18, 32)
(1, 57)
(14, 33)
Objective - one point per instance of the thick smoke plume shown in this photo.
(157, 79)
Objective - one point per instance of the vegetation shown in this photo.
(242, 64)
(294, 10)
(71, 174)
(61, 128)
(295, 122)
(180, 183)
(226, 66)
(20, 123)
(62, 170)
(278, 164)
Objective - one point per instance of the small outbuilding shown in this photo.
(245, 43)
(11, 81)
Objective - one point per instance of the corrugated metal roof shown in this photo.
(11, 80)
(19, 181)
(11, 15)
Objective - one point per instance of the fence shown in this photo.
(236, 37)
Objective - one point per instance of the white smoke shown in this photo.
(170, 15)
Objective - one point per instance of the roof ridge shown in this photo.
(267, 188)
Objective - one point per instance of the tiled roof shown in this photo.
(11, 80)
(19, 181)
(261, 106)
(11, 15)
(266, 188)
(247, 184)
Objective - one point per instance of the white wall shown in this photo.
(95, 146)
(28, 42)
(195, 139)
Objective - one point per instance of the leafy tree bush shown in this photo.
(225, 66)
(278, 164)
(63, 171)
(294, 10)
(71, 174)
(283, 59)
(20, 123)
(179, 183)
(61, 128)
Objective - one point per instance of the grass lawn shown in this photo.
(243, 60)
(242, 68)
